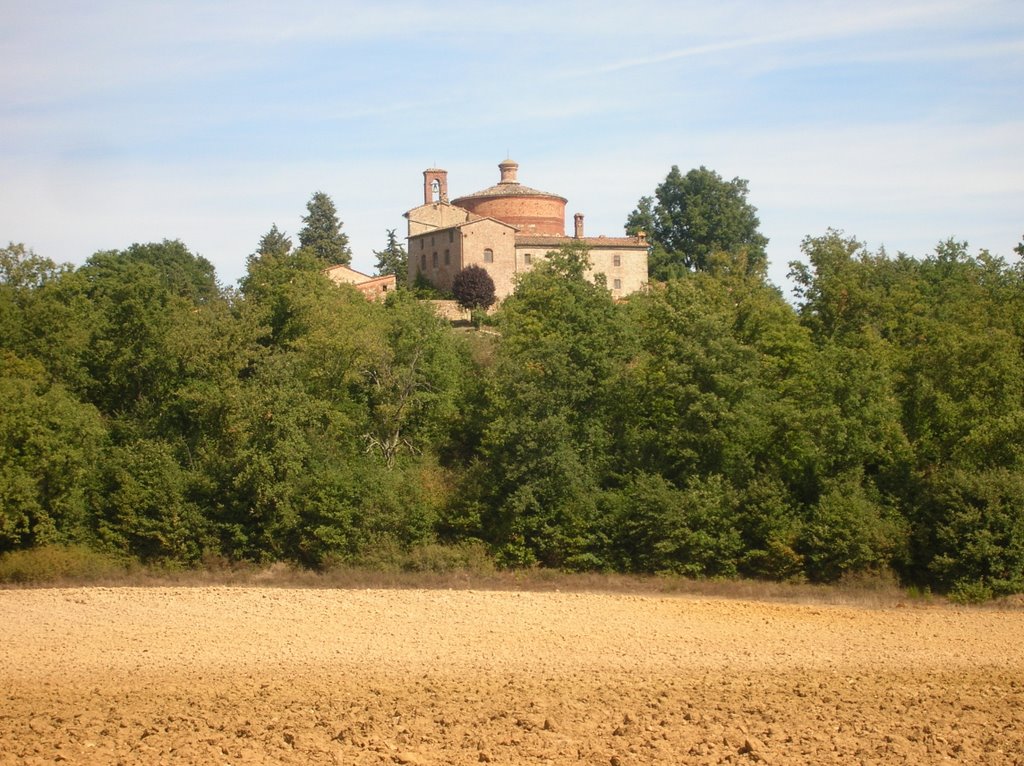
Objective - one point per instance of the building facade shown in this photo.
(506, 229)
(374, 288)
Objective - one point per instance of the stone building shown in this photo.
(506, 229)
(374, 288)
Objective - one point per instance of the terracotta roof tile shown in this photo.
(505, 189)
(556, 241)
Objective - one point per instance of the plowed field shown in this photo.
(309, 676)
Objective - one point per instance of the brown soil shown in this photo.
(302, 676)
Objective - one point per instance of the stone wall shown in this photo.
(622, 260)
(427, 218)
(625, 268)
(437, 255)
(450, 310)
(499, 238)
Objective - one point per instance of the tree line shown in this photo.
(705, 427)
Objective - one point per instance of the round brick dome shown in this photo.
(529, 210)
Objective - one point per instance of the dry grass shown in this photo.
(445, 568)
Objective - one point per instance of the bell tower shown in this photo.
(435, 186)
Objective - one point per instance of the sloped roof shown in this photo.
(508, 189)
(343, 273)
(535, 240)
(473, 218)
(508, 186)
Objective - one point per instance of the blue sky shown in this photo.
(901, 123)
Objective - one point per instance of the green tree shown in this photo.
(847, 531)
(693, 216)
(143, 506)
(21, 268)
(42, 314)
(322, 235)
(49, 444)
(341, 414)
(274, 244)
(655, 527)
(941, 339)
(974, 530)
(393, 259)
(176, 269)
(143, 302)
(413, 380)
(546, 445)
(281, 293)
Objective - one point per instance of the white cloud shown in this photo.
(783, 24)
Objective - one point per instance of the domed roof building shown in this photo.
(529, 210)
(506, 228)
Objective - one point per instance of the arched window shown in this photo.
(488, 255)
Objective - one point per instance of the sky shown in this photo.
(900, 122)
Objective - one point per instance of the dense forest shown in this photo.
(704, 427)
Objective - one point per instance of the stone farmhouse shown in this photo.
(374, 288)
(506, 229)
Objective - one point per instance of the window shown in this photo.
(435, 260)
(617, 284)
(422, 243)
(488, 256)
(451, 235)
(431, 240)
(423, 261)
(528, 258)
(616, 260)
(447, 258)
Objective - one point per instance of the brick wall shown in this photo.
(531, 215)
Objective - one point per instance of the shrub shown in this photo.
(473, 288)
(56, 563)
(970, 592)
(469, 556)
(387, 555)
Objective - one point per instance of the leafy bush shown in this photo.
(970, 592)
(473, 288)
(389, 556)
(656, 527)
(849, 532)
(469, 556)
(975, 531)
(424, 290)
(57, 563)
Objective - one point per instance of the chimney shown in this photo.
(578, 220)
(432, 177)
(508, 170)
